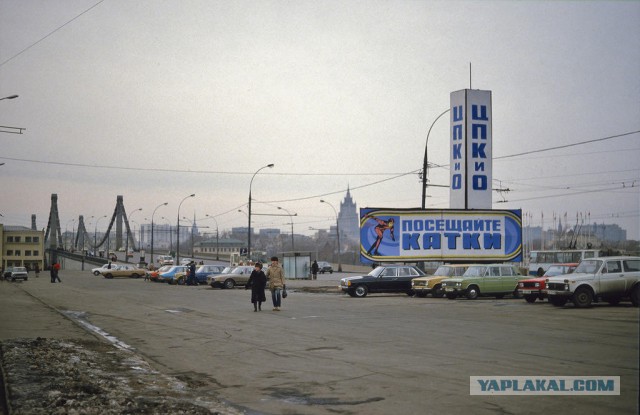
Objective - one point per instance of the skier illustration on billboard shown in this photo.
(382, 226)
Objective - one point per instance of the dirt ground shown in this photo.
(54, 376)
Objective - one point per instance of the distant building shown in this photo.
(223, 247)
(348, 218)
(21, 246)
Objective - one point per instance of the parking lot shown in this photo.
(330, 353)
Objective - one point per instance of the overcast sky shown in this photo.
(154, 100)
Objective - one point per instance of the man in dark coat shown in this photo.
(257, 282)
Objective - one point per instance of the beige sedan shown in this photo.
(123, 271)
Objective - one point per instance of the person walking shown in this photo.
(275, 273)
(54, 272)
(192, 280)
(257, 282)
(37, 269)
(314, 270)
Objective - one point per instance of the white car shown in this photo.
(97, 271)
(186, 261)
(608, 279)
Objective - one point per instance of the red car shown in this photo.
(535, 288)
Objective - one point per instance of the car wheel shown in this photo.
(473, 292)
(331, 272)
(108, 276)
(516, 294)
(96, 273)
(421, 294)
(582, 297)
(361, 291)
(531, 298)
(135, 276)
(635, 293)
(557, 300)
(437, 292)
(451, 296)
(229, 283)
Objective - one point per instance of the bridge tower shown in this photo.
(53, 234)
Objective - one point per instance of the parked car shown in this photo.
(201, 273)
(155, 275)
(123, 271)
(383, 279)
(226, 270)
(607, 279)
(16, 273)
(236, 276)
(534, 288)
(432, 284)
(495, 280)
(165, 260)
(170, 275)
(96, 271)
(324, 266)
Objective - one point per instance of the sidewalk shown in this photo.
(24, 316)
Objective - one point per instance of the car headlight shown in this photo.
(537, 285)
(566, 287)
(521, 284)
(458, 284)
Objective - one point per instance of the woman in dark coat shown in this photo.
(257, 282)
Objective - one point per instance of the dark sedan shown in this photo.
(383, 279)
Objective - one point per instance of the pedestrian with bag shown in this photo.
(275, 273)
(257, 282)
(314, 270)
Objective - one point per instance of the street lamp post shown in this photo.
(290, 219)
(126, 245)
(178, 230)
(217, 240)
(154, 212)
(337, 233)
(425, 164)
(66, 232)
(249, 215)
(95, 235)
(10, 97)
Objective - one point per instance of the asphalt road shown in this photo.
(326, 353)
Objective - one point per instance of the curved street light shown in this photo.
(217, 237)
(249, 215)
(95, 236)
(10, 97)
(425, 163)
(178, 230)
(337, 233)
(154, 212)
(291, 219)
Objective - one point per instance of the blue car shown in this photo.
(206, 270)
(170, 276)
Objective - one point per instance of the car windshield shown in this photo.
(444, 271)
(19, 269)
(227, 270)
(555, 270)
(476, 271)
(588, 266)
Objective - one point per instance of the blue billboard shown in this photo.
(448, 235)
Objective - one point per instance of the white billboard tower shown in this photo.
(471, 150)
